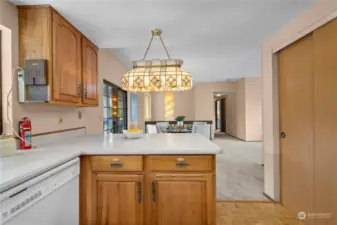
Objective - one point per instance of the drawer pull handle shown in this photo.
(180, 159)
(139, 193)
(116, 164)
(154, 191)
(182, 164)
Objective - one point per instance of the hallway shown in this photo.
(239, 169)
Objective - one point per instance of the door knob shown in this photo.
(283, 135)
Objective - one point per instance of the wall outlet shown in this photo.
(79, 115)
(60, 120)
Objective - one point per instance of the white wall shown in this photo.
(183, 105)
(241, 110)
(322, 12)
(231, 118)
(244, 110)
(253, 109)
(204, 99)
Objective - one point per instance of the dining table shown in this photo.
(178, 130)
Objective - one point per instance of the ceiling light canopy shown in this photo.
(157, 75)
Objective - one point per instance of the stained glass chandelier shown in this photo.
(157, 75)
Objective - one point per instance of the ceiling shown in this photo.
(218, 40)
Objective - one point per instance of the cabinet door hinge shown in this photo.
(79, 90)
(86, 92)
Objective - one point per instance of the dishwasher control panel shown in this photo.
(28, 194)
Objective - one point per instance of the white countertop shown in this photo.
(27, 164)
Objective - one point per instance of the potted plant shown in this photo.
(180, 121)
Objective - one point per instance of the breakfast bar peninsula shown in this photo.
(158, 179)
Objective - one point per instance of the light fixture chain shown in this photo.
(164, 47)
(148, 47)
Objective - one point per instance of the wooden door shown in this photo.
(325, 117)
(295, 71)
(90, 72)
(181, 199)
(119, 199)
(66, 61)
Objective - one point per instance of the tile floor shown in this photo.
(239, 170)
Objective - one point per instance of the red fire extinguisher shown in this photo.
(25, 132)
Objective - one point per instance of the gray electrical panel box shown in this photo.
(33, 83)
(36, 72)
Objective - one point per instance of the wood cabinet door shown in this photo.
(90, 72)
(119, 199)
(181, 199)
(66, 61)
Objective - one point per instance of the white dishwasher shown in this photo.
(51, 198)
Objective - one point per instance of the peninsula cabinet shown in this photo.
(72, 76)
(130, 190)
(119, 199)
(181, 199)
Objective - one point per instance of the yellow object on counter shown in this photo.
(133, 130)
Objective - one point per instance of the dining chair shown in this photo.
(204, 129)
(151, 129)
(162, 126)
(199, 123)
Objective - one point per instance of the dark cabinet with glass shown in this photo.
(115, 109)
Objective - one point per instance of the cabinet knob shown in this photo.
(180, 160)
(283, 135)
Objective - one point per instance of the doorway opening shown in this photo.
(220, 115)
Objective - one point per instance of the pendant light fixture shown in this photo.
(156, 74)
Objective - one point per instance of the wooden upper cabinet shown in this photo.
(89, 72)
(72, 59)
(181, 199)
(119, 199)
(67, 81)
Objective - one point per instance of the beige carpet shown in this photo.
(239, 169)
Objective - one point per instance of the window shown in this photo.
(147, 106)
(115, 109)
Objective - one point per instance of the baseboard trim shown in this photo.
(241, 138)
(246, 201)
(267, 196)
